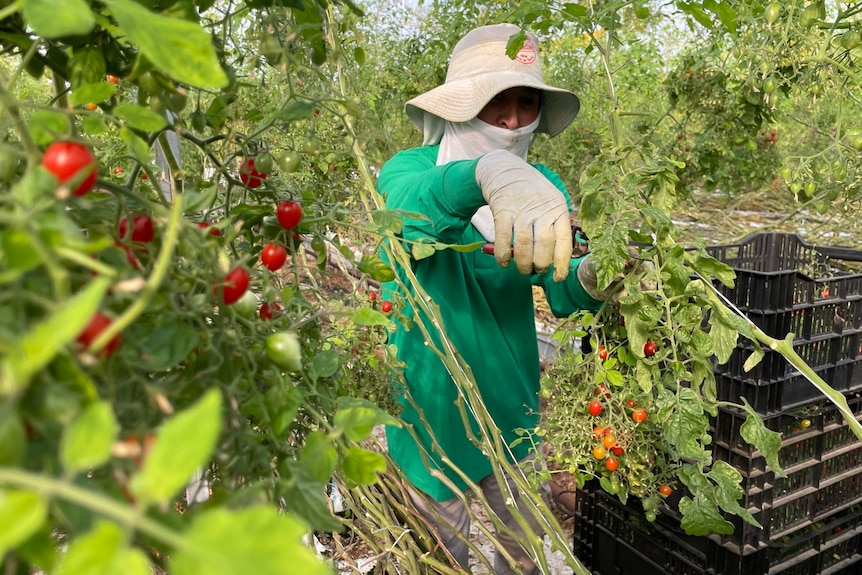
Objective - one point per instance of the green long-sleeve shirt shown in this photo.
(487, 311)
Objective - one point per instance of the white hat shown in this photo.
(480, 69)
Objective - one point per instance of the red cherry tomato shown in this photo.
(650, 348)
(273, 256)
(609, 441)
(211, 230)
(119, 170)
(249, 176)
(142, 229)
(603, 353)
(372, 296)
(289, 214)
(595, 408)
(98, 323)
(639, 414)
(612, 463)
(233, 285)
(665, 490)
(131, 257)
(386, 307)
(71, 161)
(112, 79)
(617, 450)
(267, 310)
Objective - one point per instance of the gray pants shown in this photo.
(451, 517)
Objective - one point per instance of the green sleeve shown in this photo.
(447, 196)
(568, 296)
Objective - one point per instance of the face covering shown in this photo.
(468, 140)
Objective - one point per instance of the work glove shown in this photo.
(526, 205)
(588, 277)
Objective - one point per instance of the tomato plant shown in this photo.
(289, 214)
(73, 163)
(273, 256)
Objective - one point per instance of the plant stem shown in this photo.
(120, 513)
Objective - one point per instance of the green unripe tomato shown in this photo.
(769, 85)
(771, 12)
(851, 39)
(263, 163)
(810, 188)
(284, 350)
(246, 306)
(289, 161)
(785, 173)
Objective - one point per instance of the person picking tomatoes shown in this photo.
(472, 183)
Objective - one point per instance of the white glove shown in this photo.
(526, 203)
(588, 277)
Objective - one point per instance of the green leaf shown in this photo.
(422, 251)
(141, 118)
(573, 11)
(22, 513)
(282, 404)
(183, 445)
(723, 337)
(138, 145)
(768, 442)
(319, 456)
(130, 561)
(701, 517)
(254, 540)
(362, 466)
(98, 92)
(18, 251)
(727, 15)
(93, 125)
(87, 441)
(728, 490)
(36, 348)
(167, 345)
(194, 201)
(356, 422)
(367, 413)
(294, 111)
(379, 270)
(46, 126)
(179, 48)
(393, 221)
(92, 553)
(13, 440)
(305, 497)
(324, 364)
(57, 18)
(369, 316)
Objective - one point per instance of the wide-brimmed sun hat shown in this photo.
(480, 69)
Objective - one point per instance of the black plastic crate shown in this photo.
(615, 539)
(785, 285)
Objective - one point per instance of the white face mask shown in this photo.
(468, 140)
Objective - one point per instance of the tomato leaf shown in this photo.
(140, 118)
(379, 270)
(324, 364)
(254, 540)
(57, 18)
(368, 316)
(44, 126)
(36, 348)
(319, 456)
(92, 553)
(183, 444)
(768, 442)
(362, 466)
(304, 497)
(295, 110)
(700, 516)
(167, 345)
(87, 440)
(177, 47)
(22, 513)
(98, 92)
(138, 145)
(18, 250)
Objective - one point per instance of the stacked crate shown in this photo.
(812, 518)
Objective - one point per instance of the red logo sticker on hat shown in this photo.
(527, 53)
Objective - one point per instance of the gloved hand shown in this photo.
(525, 203)
(588, 276)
